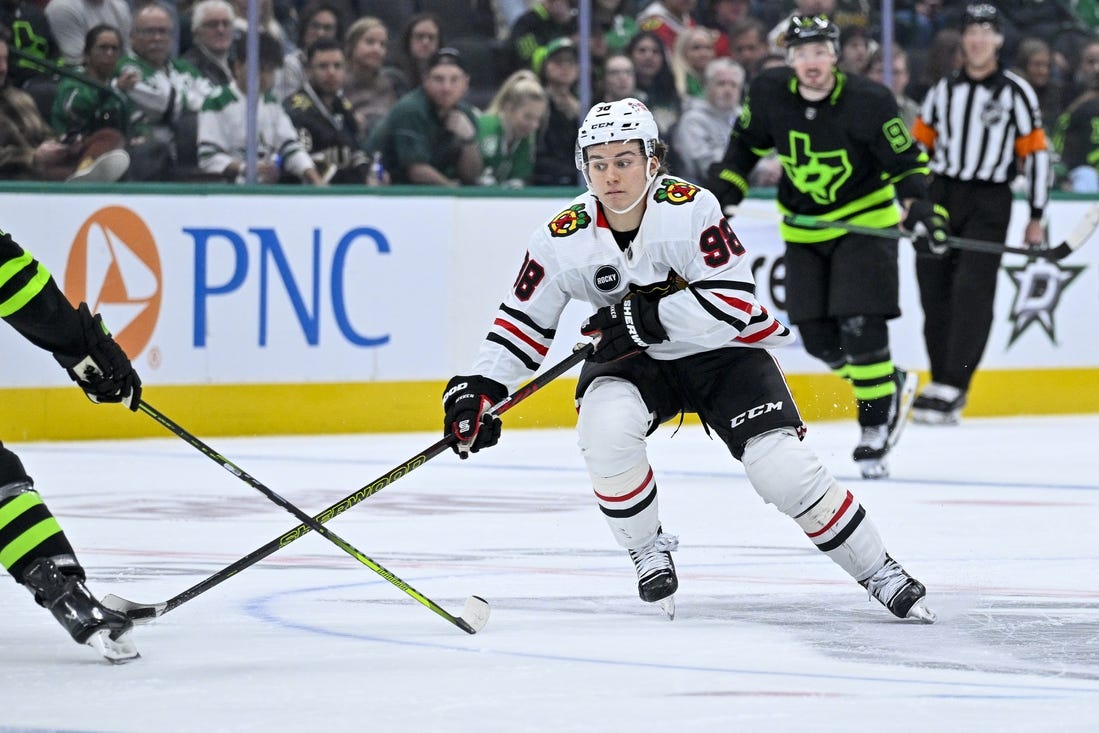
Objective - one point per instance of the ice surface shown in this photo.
(999, 518)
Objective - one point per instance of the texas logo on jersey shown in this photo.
(569, 221)
(675, 191)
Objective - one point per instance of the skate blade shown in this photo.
(921, 613)
(667, 605)
(115, 651)
(904, 407)
(873, 468)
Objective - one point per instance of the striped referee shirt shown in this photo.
(978, 130)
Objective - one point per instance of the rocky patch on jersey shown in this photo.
(675, 191)
(607, 278)
(569, 221)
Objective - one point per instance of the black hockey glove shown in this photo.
(930, 223)
(727, 185)
(625, 328)
(466, 400)
(103, 371)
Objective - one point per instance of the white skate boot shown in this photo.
(898, 591)
(656, 579)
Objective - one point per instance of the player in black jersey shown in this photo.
(846, 155)
(33, 547)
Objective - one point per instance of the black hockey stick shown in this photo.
(140, 612)
(1076, 238)
(474, 616)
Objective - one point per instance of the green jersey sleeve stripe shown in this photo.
(11, 267)
(24, 294)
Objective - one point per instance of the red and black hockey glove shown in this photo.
(103, 371)
(930, 223)
(466, 401)
(624, 329)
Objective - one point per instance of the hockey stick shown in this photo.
(141, 612)
(1076, 238)
(474, 616)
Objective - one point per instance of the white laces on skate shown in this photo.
(887, 582)
(653, 557)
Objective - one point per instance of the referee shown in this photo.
(978, 125)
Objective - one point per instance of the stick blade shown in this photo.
(474, 615)
(139, 613)
(1087, 225)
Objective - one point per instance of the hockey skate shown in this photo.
(656, 579)
(85, 618)
(878, 440)
(938, 404)
(898, 591)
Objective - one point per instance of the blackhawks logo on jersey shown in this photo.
(569, 220)
(675, 191)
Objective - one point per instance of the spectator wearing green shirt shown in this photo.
(506, 131)
(87, 106)
(430, 135)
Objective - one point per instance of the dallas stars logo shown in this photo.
(816, 173)
(569, 220)
(675, 191)
(1039, 286)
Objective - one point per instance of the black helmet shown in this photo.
(811, 28)
(981, 14)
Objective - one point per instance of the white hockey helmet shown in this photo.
(623, 119)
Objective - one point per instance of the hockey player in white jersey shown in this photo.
(678, 329)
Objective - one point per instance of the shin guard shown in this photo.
(787, 474)
(612, 428)
(628, 502)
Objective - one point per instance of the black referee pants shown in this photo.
(957, 289)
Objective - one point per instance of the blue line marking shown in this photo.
(259, 607)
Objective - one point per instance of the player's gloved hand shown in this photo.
(930, 223)
(728, 186)
(624, 329)
(466, 401)
(103, 371)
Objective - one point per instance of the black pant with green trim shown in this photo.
(841, 294)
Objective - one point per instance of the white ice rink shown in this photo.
(999, 518)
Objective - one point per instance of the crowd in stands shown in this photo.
(462, 92)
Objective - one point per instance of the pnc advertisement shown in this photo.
(268, 289)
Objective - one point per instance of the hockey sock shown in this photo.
(874, 387)
(628, 502)
(29, 531)
(838, 526)
(790, 476)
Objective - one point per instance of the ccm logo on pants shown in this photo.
(754, 412)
